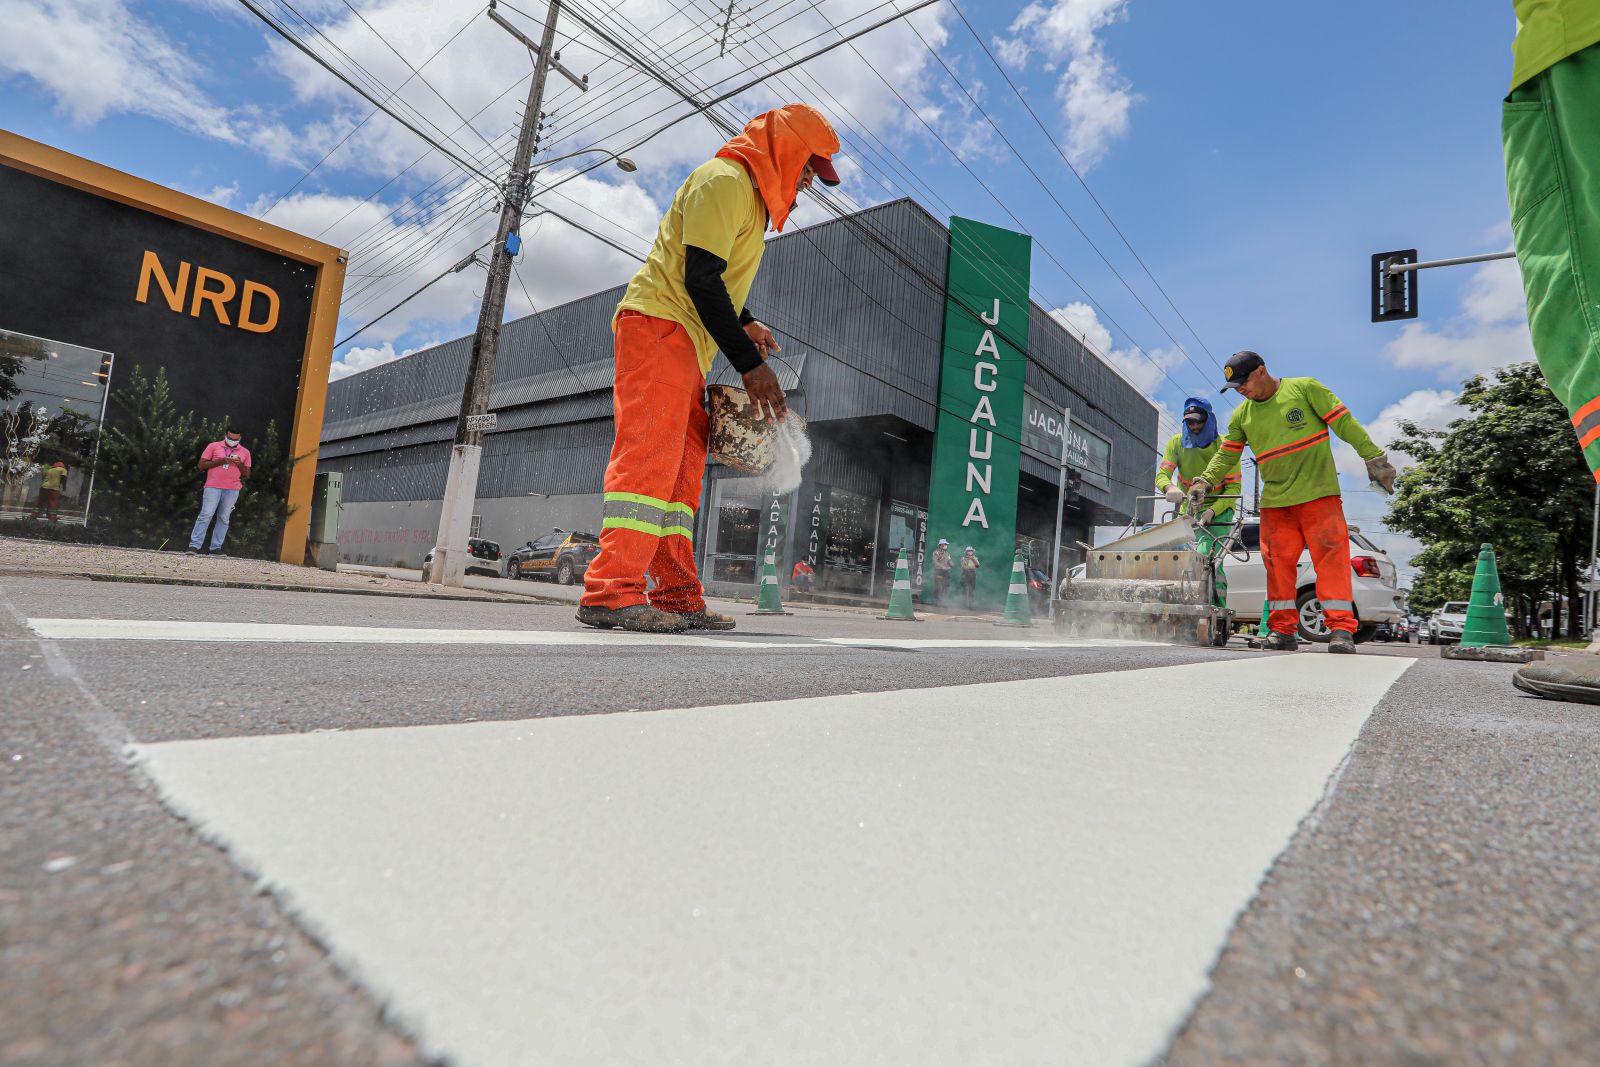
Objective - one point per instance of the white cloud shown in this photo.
(1095, 98)
(97, 58)
(356, 360)
(1431, 408)
(1145, 373)
(1490, 331)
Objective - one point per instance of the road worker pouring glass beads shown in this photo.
(1287, 423)
(1185, 458)
(686, 303)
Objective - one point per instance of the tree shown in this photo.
(148, 491)
(1509, 474)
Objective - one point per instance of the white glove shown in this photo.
(1382, 472)
(1174, 495)
(1205, 517)
(1199, 489)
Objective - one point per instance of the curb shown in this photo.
(1492, 654)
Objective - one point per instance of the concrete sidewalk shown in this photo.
(22, 557)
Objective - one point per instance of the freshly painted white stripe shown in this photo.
(297, 633)
(173, 630)
(1038, 871)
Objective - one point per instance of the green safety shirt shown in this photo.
(1549, 31)
(1288, 432)
(1186, 464)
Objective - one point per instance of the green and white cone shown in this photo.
(1018, 612)
(1486, 609)
(768, 600)
(900, 598)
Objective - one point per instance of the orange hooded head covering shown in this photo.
(775, 148)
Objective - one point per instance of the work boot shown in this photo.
(1574, 678)
(1277, 642)
(1340, 642)
(640, 618)
(706, 619)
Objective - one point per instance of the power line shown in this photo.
(1078, 175)
(374, 101)
(417, 72)
(357, 127)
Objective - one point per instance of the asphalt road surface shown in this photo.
(252, 827)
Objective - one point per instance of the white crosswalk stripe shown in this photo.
(210, 632)
(1036, 871)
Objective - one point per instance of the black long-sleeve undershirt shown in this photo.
(702, 276)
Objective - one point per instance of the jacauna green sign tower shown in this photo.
(977, 454)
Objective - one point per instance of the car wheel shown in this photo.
(514, 570)
(564, 572)
(1312, 625)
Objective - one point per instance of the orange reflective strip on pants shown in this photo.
(659, 456)
(1317, 525)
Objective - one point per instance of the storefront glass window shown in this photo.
(52, 401)
(733, 532)
(851, 548)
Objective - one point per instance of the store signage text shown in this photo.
(972, 491)
(1087, 451)
(257, 311)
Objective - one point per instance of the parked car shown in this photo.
(1445, 624)
(1374, 583)
(558, 555)
(487, 553)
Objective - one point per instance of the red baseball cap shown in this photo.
(824, 168)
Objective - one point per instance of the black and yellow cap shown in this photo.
(1240, 366)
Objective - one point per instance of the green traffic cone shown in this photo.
(1486, 611)
(900, 598)
(1018, 612)
(768, 600)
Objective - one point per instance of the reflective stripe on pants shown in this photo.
(1286, 532)
(655, 475)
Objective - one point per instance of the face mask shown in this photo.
(231, 442)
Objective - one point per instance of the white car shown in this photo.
(1446, 624)
(1374, 583)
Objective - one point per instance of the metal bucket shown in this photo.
(739, 439)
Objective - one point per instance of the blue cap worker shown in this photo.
(1184, 459)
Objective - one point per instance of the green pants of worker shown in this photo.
(1207, 536)
(1551, 128)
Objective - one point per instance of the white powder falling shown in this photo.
(791, 451)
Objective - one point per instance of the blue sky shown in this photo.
(1254, 154)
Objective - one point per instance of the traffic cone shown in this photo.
(900, 598)
(1486, 611)
(1018, 612)
(768, 600)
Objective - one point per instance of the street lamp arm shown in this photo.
(623, 162)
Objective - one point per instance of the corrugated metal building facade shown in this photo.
(858, 305)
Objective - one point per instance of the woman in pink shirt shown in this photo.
(227, 464)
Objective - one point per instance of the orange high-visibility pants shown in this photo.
(657, 468)
(1286, 532)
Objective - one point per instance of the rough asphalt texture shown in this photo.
(123, 939)
(1439, 908)
(1443, 908)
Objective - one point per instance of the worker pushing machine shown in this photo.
(1287, 422)
(1185, 458)
(685, 303)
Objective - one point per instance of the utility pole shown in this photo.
(461, 486)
